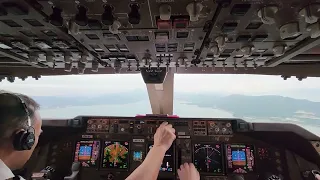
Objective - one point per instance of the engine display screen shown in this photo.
(240, 158)
(87, 152)
(168, 160)
(208, 158)
(115, 154)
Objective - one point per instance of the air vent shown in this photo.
(243, 38)
(260, 38)
(240, 9)
(229, 27)
(228, 51)
(182, 34)
(97, 48)
(111, 48)
(92, 36)
(28, 33)
(188, 47)
(49, 33)
(254, 25)
(11, 23)
(137, 38)
(33, 22)
(122, 48)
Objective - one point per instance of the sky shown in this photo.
(94, 85)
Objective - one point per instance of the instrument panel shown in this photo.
(113, 147)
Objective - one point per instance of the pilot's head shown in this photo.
(20, 128)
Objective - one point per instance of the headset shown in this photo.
(23, 139)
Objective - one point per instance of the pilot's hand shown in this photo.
(187, 171)
(317, 177)
(164, 136)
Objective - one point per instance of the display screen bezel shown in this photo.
(228, 170)
(102, 155)
(98, 157)
(174, 158)
(222, 158)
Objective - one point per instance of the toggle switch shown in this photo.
(107, 17)
(55, 18)
(134, 15)
(165, 12)
(81, 17)
(194, 10)
(114, 28)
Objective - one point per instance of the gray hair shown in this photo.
(13, 115)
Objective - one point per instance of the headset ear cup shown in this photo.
(28, 142)
(18, 139)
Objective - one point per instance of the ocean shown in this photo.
(182, 109)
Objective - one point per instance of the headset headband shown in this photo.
(22, 103)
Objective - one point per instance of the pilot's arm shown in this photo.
(149, 169)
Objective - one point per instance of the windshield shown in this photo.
(254, 98)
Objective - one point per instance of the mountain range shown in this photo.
(239, 105)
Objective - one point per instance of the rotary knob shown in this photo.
(81, 18)
(110, 176)
(246, 51)
(221, 41)
(310, 13)
(279, 50)
(267, 14)
(289, 30)
(314, 30)
(215, 50)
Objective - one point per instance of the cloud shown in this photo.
(92, 85)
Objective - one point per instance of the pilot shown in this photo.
(149, 169)
(20, 128)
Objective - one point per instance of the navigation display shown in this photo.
(168, 160)
(115, 154)
(87, 152)
(208, 158)
(240, 158)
